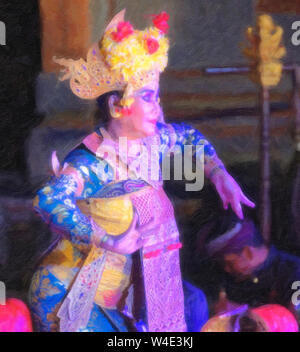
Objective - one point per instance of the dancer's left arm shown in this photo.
(214, 169)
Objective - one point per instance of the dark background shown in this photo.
(20, 63)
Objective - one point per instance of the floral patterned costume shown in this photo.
(85, 191)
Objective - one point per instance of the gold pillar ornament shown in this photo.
(265, 51)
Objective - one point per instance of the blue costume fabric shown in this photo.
(56, 204)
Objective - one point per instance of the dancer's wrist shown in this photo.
(216, 171)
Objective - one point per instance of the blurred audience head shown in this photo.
(236, 244)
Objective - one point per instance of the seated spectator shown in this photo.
(249, 271)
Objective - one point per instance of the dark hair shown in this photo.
(252, 238)
(102, 114)
(248, 235)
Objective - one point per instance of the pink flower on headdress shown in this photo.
(160, 21)
(124, 29)
(152, 45)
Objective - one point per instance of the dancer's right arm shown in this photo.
(81, 176)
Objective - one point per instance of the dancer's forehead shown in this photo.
(152, 86)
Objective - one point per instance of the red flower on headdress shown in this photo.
(152, 45)
(160, 21)
(124, 29)
(126, 111)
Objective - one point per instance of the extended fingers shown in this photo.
(236, 207)
(247, 201)
(224, 199)
(225, 202)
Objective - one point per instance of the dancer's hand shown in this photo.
(230, 193)
(130, 241)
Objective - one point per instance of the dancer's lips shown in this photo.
(153, 121)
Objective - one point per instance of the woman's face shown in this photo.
(145, 111)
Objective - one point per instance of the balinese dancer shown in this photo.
(116, 266)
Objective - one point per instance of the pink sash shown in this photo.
(161, 266)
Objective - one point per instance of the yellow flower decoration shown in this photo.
(130, 57)
(125, 59)
(265, 51)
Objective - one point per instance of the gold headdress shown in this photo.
(125, 59)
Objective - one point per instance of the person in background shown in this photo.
(249, 271)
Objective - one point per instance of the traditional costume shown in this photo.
(80, 286)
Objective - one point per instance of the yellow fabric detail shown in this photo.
(114, 215)
(113, 282)
(62, 261)
(63, 254)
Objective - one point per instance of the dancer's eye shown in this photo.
(147, 95)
